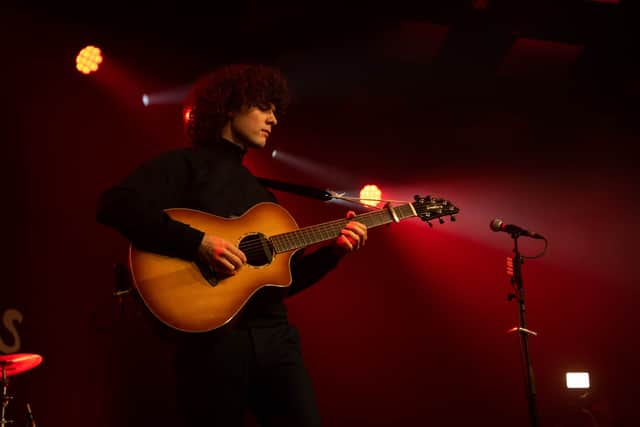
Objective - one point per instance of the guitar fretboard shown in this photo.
(311, 235)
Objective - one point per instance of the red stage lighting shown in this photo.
(186, 115)
(370, 195)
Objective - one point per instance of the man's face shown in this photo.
(251, 126)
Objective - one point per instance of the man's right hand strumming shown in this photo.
(220, 254)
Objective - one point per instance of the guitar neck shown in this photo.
(311, 235)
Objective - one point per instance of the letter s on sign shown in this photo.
(8, 320)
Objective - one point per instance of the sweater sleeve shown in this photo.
(307, 269)
(136, 207)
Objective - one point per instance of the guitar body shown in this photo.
(184, 297)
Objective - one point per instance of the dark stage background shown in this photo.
(524, 111)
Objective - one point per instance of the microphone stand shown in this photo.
(522, 330)
(4, 397)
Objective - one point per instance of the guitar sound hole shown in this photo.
(257, 248)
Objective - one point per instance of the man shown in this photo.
(255, 361)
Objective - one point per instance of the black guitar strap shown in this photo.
(301, 190)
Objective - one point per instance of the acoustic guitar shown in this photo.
(191, 297)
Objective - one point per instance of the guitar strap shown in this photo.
(301, 190)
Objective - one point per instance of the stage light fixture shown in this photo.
(186, 114)
(88, 59)
(171, 96)
(577, 380)
(370, 195)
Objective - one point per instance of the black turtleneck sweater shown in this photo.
(211, 179)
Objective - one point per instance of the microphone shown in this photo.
(499, 225)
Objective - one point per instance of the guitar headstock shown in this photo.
(429, 208)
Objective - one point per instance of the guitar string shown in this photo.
(257, 247)
(313, 230)
(289, 237)
(319, 229)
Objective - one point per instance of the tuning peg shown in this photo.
(453, 218)
(429, 224)
(441, 221)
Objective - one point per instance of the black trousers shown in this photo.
(221, 375)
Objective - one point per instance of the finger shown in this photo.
(356, 225)
(237, 254)
(350, 234)
(351, 214)
(227, 260)
(224, 266)
(346, 243)
(359, 229)
(231, 267)
(235, 262)
(352, 237)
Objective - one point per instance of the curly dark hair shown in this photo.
(226, 90)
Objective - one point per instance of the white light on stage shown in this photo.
(577, 380)
(333, 177)
(167, 97)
